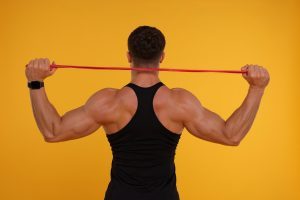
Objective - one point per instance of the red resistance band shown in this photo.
(146, 69)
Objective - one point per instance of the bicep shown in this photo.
(74, 124)
(203, 123)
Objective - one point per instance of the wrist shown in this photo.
(256, 90)
(35, 79)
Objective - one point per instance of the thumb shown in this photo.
(245, 68)
(53, 69)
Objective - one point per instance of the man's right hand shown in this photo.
(257, 76)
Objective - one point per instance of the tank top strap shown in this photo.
(145, 95)
(139, 89)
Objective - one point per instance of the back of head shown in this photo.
(146, 45)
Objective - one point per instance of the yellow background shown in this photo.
(210, 34)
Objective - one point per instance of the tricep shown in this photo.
(201, 122)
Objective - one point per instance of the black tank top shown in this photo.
(143, 151)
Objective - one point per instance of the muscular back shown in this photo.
(111, 108)
(124, 106)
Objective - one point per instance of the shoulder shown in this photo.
(105, 95)
(183, 96)
(102, 103)
(187, 104)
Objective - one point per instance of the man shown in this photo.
(144, 119)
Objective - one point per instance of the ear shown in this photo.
(129, 57)
(162, 57)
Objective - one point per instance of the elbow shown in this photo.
(50, 139)
(235, 141)
(232, 141)
(51, 136)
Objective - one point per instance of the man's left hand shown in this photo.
(39, 69)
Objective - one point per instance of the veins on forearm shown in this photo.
(44, 112)
(240, 122)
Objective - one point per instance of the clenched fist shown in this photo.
(39, 69)
(257, 76)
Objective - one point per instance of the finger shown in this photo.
(35, 63)
(52, 71)
(245, 68)
(52, 68)
(45, 66)
(27, 71)
(261, 70)
(47, 62)
(256, 69)
(40, 63)
(259, 74)
(264, 72)
(250, 70)
(30, 64)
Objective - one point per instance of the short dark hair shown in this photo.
(146, 44)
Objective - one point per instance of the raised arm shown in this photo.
(208, 125)
(74, 124)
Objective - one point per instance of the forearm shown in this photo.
(240, 122)
(44, 112)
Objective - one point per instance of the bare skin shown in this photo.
(176, 108)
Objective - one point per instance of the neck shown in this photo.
(144, 78)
